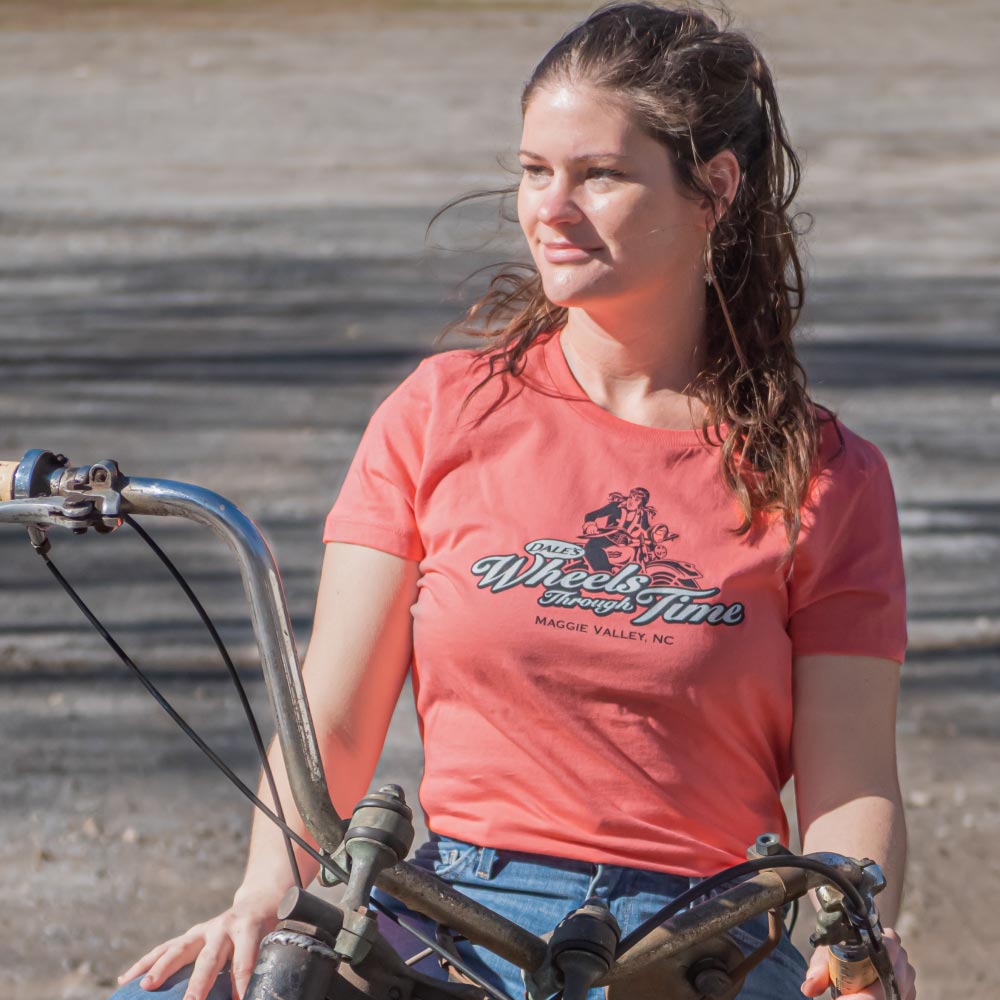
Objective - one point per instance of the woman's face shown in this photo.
(600, 203)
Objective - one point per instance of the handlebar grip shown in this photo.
(850, 976)
(7, 470)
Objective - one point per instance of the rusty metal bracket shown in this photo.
(774, 928)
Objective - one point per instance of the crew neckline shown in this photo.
(563, 379)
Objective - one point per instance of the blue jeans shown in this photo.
(537, 892)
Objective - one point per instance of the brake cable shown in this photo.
(234, 676)
(290, 834)
(162, 701)
(793, 917)
(706, 886)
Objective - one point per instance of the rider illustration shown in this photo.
(622, 523)
(621, 532)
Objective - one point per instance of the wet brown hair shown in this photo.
(699, 88)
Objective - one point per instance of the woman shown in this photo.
(644, 746)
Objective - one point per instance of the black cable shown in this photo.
(704, 887)
(234, 676)
(793, 918)
(186, 728)
(325, 861)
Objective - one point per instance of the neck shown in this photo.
(639, 367)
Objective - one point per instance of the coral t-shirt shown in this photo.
(602, 667)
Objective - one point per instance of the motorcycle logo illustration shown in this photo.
(624, 565)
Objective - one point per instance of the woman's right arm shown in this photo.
(357, 662)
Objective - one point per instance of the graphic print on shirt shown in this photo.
(620, 562)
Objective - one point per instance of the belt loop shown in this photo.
(487, 862)
(595, 878)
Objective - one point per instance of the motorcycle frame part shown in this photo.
(299, 906)
(767, 845)
(582, 948)
(35, 474)
(670, 976)
(837, 921)
(715, 969)
(383, 975)
(295, 960)
(72, 514)
(767, 890)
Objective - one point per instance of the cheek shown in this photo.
(652, 228)
(525, 210)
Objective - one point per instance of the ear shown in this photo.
(721, 175)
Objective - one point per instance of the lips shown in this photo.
(566, 253)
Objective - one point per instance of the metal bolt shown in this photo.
(769, 844)
(394, 791)
(712, 982)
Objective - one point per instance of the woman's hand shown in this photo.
(818, 976)
(232, 936)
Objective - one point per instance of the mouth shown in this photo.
(560, 252)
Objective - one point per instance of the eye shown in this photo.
(603, 173)
(533, 169)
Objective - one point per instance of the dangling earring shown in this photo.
(709, 271)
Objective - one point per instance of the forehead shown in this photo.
(582, 119)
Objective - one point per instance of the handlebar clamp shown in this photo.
(581, 950)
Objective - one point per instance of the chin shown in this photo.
(567, 294)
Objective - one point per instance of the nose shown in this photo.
(557, 204)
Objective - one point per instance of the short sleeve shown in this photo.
(375, 506)
(848, 593)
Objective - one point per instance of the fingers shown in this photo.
(177, 953)
(144, 963)
(209, 946)
(244, 959)
(817, 979)
(901, 968)
(206, 971)
(906, 976)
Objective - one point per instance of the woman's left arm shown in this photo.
(846, 782)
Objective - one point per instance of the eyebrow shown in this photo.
(581, 157)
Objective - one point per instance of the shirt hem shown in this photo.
(372, 536)
(595, 856)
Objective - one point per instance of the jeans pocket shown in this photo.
(445, 857)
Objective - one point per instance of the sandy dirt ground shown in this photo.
(214, 265)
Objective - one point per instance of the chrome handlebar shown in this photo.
(42, 490)
(48, 492)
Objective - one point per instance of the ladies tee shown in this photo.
(602, 667)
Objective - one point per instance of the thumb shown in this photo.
(817, 979)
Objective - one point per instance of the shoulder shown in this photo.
(442, 375)
(844, 454)
(439, 383)
(848, 466)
